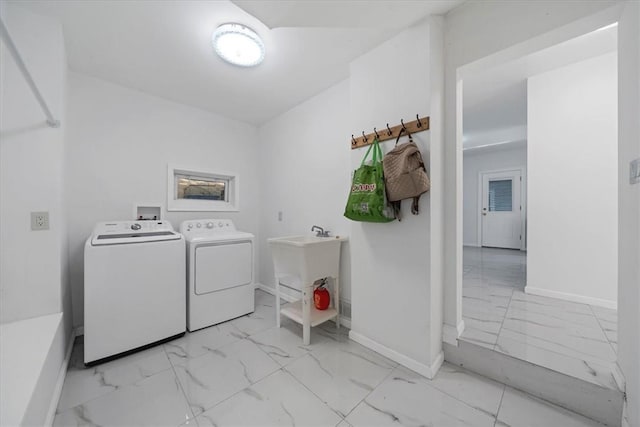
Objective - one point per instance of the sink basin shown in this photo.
(304, 240)
(306, 258)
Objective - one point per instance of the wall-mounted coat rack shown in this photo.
(418, 125)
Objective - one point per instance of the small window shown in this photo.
(500, 196)
(192, 190)
(201, 187)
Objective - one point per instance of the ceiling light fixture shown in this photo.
(238, 45)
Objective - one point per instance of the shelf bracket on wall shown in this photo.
(385, 133)
(11, 47)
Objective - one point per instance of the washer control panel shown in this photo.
(207, 226)
(119, 227)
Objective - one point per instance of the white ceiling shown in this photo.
(163, 47)
(394, 14)
(495, 99)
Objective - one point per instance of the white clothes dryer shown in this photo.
(134, 287)
(220, 272)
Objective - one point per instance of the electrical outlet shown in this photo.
(39, 220)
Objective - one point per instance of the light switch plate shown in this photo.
(634, 171)
(39, 220)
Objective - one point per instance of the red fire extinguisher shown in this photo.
(321, 297)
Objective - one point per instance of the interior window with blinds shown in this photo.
(500, 196)
(201, 188)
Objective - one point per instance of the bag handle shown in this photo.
(377, 153)
(400, 134)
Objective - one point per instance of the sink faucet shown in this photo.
(320, 231)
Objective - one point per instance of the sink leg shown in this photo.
(307, 293)
(336, 299)
(277, 302)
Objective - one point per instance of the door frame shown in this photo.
(456, 69)
(523, 202)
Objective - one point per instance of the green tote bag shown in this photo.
(367, 200)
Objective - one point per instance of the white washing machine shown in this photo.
(134, 287)
(220, 272)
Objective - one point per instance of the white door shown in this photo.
(501, 209)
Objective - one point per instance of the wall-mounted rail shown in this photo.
(8, 41)
(385, 133)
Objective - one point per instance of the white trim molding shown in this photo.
(414, 365)
(571, 297)
(270, 290)
(450, 334)
(62, 374)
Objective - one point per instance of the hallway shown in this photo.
(575, 339)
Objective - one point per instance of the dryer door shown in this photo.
(222, 266)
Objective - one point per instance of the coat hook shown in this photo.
(419, 122)
(364, 137)
(389, 130)
(376, 132)
(403, 127)
(353, 140)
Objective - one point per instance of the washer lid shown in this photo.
(123, 232)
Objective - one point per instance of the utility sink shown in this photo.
(307, 258)
(298, 262)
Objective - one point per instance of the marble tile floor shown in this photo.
(247, 372)
(571, 338)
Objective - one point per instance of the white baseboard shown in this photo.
(451, 334)
(345, 321)
(57, 391)
(571, 297)
(474, 244)
(270, 290)
(414, 365)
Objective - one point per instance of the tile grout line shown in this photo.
(503, 320)
(315, 395)
(369, 394)
(177, 379)
(603, 331)
(281, 368)
(239, 391)
(504, 390)
(116, 388)
(428, 382)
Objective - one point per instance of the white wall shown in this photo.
(304, 164)
(391, 264)
(32, 263)
(119, 144)
(629, 207)
(481, 160)
(573, 182)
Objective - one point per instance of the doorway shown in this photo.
(522, 292)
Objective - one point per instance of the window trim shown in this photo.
(231, 205)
